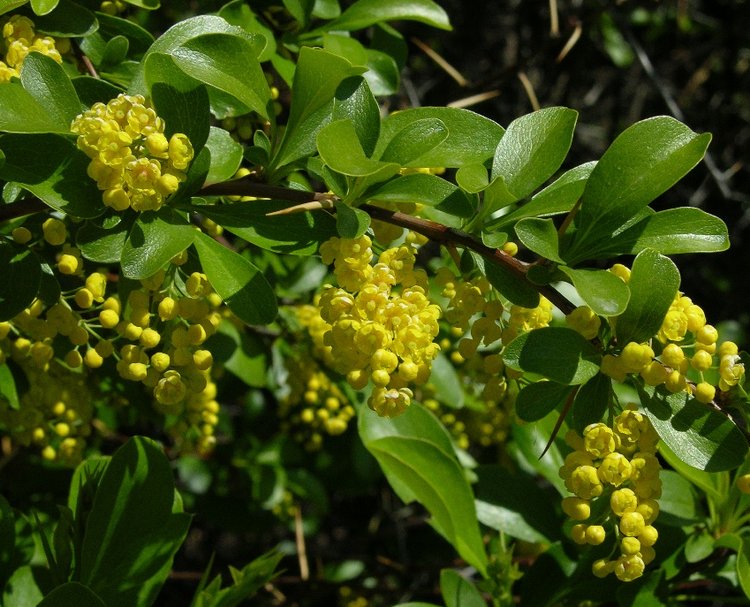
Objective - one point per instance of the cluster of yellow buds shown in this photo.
(132, 160)
(379, 325)
(585, 321)
(313, 405)
(689, 349)
(472, 426)
(616, 464)
(19, 39)
(54, 415)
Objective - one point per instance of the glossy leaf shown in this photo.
(679, 503)
(591, 402)
(240, 353)
(90, 90)
(603, 291)
(653, 284)
(155, 238)
(445, 381)
(540, 236)
(102, 245)
(642, 163)
(239, 283)
(557, 198)
(472, 177)
(340, 149)
(511, 284)
(226, 155)
(458, 591)
(700, 436)
(350, 221)
(42, 7)
(20, 112)
(673, 231)
(67, 20)
(428, 190)
(365, 13)
(184, 109)
(355, 101)
(741, 546)
(72, 594)
(139, 39)
(415, 140)
(316, 79)
(58, 176)
(240, 14)
(22, 274)
(131, 527)
(537, 399)
(471, 138)
(557, 353)
(44, 79)
(295, 233)
(533, 148)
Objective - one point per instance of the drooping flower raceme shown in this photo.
(132, 160)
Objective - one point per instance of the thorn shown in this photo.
(574, 37)
(528, 87)
(447, 67)
(312, 205)
(474, 99)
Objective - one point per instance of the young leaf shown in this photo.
(155, 238)
(459, 592)
(428, 190)
(351, 222)
(642, 163)
(365, 13)
(558, 353)
(603, 291)
(58, 176)
(131, 533)
(700, 436)
(239, 283)
(415, 140)
(355, 101)
(42, 7)
(471, 138)
(653, 284)
(540, 236)
(533, 148)
(22, 274)
(340, 149)
(226, 155)
(67, 20)
(45, 80)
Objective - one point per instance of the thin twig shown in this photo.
(299, 536)
(447, 67)
(554, 20)
(529, 88)
(474, 99)
(574, 37)
(86, 60)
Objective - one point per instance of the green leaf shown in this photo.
(365, 13)
(44, 79)
(471, 138)
(347, 47)
(354, 100)
(591, 401)
(239, 283)
(540, 236)
(603, 291)
(415, 140)
(226, 155)
(418, 469)
(239, 13)
(383, 74)
(705, 481)
(511, 284)
(653, 284)
(673, 231)
(72, 594)
(20, 112)
(147, 4)
(102, 245)
(444, 381)
(428, 190)
(351, 222)
(90, 90)
(22, 274)
(42, 7)
(139, 39)
(458, 591)
(738, 543)
(69, 19)
(557, 353)
(679, 503)
(294, 233)
(538, 399)
(155, 238)
(58, 176)
(21, 589)
(642, 163)
(340, 149)
(700, 436)
(228, 63)
(184, 109)
(240, 353)
(131, 533)
(472, 177)
(9, 394)
(514, 504)
(316, 79)
(533, 148)
(557, 198)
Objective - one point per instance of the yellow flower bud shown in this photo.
(54, 231)
(109, 319)
(632, 524)
(21, 235)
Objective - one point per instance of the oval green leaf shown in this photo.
(22, 274)
(603, 291)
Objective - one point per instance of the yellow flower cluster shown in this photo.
(379, 325)
(313, 405)
(54, 414)
(132, 160)
(20, 39)
(689, 349)
(617, 464)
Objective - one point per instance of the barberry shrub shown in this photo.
(224, 256)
